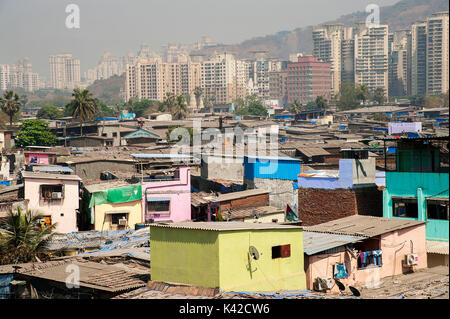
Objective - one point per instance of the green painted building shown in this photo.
(231, 256)
(417, 184)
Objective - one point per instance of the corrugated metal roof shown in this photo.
(27, 174)
(248, 212)
(437, 247)
(315, 242)
(224, 226)
(56, 168)
(161, 156)
(237, 195)
(358, 225)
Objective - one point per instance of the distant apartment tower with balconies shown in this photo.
(218, 78)
(307, 79)
(399, 63)
(371, 57)
(64, 72)
(437, 66)
(418, 54)
(333, 43)
(152, 79)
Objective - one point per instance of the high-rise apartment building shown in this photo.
(437, 66)
(64, 72)
(4, 77)
(371, 56)
(150, 78)
(307, 79)
(399, 63)
(218, 78)
(418, 56)
(334, 44)
(19, 76)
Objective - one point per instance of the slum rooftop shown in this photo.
(223, 226)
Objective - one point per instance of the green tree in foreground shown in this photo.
(49, 112)
(21, 237)
(10, 104)
(35, 133)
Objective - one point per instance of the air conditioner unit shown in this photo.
(411, 259)
(122, 222)
(56, 195)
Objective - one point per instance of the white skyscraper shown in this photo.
(64, 72)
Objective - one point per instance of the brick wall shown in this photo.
(251, 201)
(318, 206)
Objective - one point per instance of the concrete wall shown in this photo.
(215, 167)
(394, 245)
(92, 170)
(281, 192)
(55, 208)
(102, 221)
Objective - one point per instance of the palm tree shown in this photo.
(21, 237)
(180, 110)
(169, 102)
(83, 106)
(296, 107)
(378, 95)
(321, 103)
(198, 91)
(362, 93)
(10, 104)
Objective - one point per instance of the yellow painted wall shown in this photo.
(266, 274)
(134, 216)
(220, 259)
(184, 256)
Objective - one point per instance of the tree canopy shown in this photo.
(49, 112)
(251, 106)
(35, 133)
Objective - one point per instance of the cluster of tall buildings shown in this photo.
(405, 62)
(107, 67)
(19, 76)
(223, 78)
(65, 72)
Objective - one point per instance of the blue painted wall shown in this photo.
(419, 186)
(271, 168)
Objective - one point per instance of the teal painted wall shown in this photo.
(420, 186)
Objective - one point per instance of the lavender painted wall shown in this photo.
(351, 172)
(179, 193)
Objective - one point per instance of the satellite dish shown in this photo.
(255, 214)
(254, 252)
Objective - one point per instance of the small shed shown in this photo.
(231, 256)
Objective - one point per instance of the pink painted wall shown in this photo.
(179, 192)
(67, 206)
(394, 245)
(40, 158)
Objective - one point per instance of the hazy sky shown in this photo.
(36, 28)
